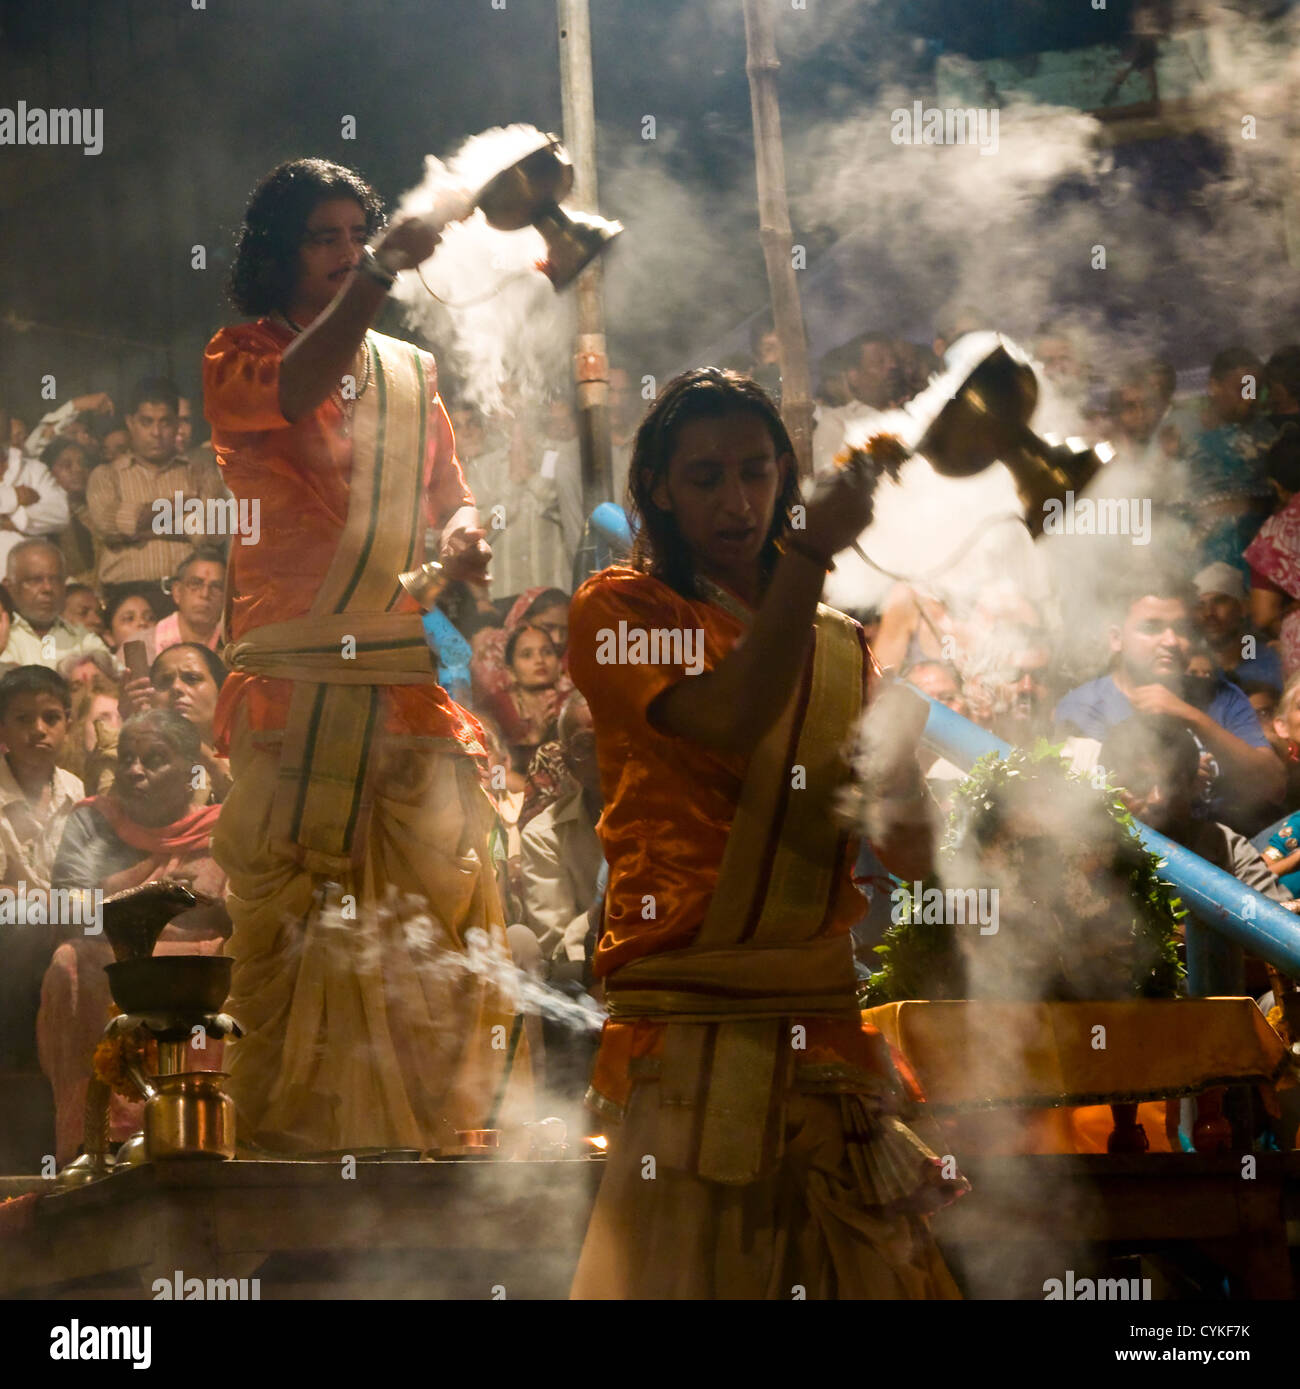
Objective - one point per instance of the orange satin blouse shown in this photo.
(299, 474)
(669, 804)
(669, 801)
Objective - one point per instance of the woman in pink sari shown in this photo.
(1274, 559)
(546, 608)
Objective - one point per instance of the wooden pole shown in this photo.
(590, 361)
(762, 66)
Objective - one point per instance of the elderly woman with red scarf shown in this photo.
(146, 828)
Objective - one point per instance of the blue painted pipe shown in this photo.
(611, 524)
(1239, 913)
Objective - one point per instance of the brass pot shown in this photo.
(132, 1152)
(476, 1143)
(190, 1115)
(170, 984)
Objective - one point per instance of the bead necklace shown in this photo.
(345, 404)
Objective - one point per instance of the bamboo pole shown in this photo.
(762, 66)
(590, 359)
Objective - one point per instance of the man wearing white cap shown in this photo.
(1239, 650)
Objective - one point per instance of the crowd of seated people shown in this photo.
(110, 620)
(111, 631)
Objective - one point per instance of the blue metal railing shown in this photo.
(1235, 912)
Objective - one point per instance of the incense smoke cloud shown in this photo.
(1014, 238)
(686, 249)
(406, 928)
(503, 322)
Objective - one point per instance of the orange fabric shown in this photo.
(1070, 1129)
(669, 804)
(300, 474)
(829, 1041)
(1092, 1123)
(191, 834)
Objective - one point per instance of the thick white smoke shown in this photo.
(500, 318)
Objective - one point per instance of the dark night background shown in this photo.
(199, 103)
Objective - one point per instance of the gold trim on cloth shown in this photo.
(350, 642)
(756, 963)
(390, 649)
(811, 977)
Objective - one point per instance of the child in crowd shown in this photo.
(36, 798)
(36, 794)
(129, 616)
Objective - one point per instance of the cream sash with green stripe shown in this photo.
(760, 957)
(351, 643)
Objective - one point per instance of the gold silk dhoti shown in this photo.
(372, 1014)
(372, 977)
(743, 1166)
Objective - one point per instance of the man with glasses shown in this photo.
(198, 589)
(40, 635)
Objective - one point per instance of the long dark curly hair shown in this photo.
(703, 393)
(265, 271)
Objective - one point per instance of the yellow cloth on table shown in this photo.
(976, 1054)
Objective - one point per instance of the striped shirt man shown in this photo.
(119, 499)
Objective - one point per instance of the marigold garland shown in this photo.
(923, 960)
(113, 1054)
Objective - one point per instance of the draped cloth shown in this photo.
(1274, 553)
(351, 642)
(191, 834)
(372, 976)
(778, 1172)
(371, 1025)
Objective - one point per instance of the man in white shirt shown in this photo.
(560, 855)
(40, 635)
(868, 367)
(31, 501)
(67, 421)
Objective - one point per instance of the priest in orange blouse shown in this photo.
(368, 932)
(757, 1148)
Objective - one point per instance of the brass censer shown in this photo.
(170, 998)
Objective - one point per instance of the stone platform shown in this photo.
(467, 1228)
(485, 1229)
(1191, 1216)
